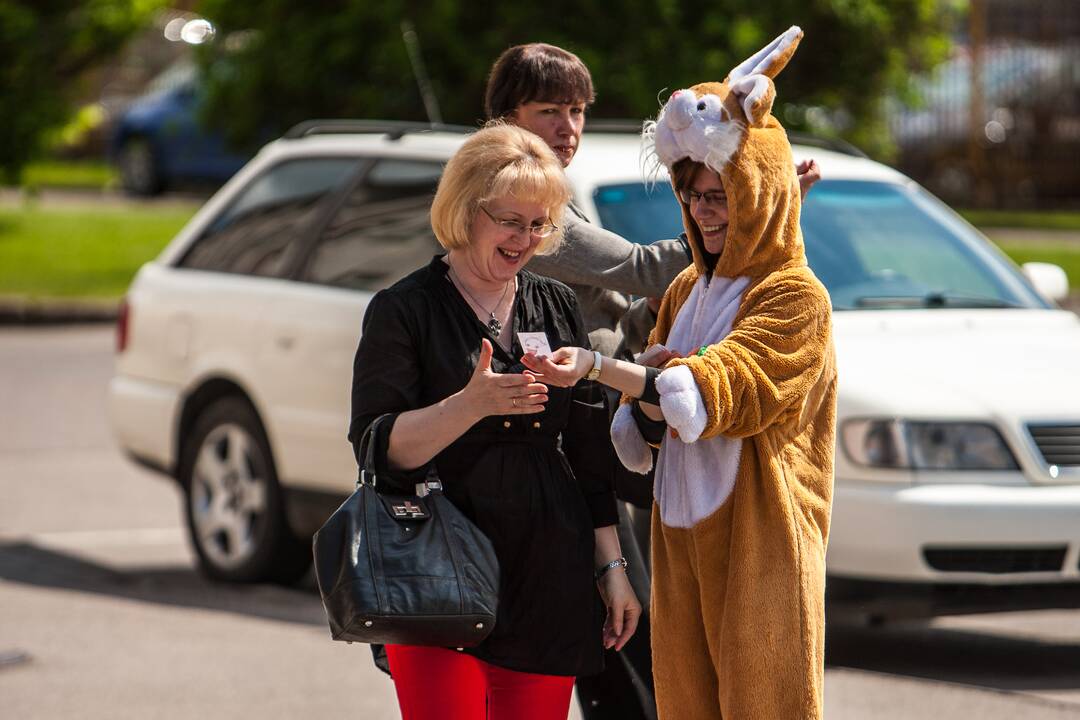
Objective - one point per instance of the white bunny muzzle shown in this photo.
(694, 127)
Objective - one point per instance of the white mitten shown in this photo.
(681, 402)
(630, 445)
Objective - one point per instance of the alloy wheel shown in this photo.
(228, 497)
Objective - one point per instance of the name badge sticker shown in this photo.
(535, 342)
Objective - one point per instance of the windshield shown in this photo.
(874, 245)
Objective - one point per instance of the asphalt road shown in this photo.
(102, 615)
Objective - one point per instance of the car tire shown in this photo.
(139, 171)
(233, 503)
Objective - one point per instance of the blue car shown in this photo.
(160, 143)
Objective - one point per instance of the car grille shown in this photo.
(997, 561)
(1059, 444)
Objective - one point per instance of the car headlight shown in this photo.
(926, 445)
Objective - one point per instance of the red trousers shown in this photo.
(439, 684)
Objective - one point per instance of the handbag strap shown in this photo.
(368, 441)
(367, 450)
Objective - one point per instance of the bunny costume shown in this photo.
(744, 494)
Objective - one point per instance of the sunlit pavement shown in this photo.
(103, 617)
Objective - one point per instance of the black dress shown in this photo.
(537, 485)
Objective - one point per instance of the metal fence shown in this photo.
(998, 124)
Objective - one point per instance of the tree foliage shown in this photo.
(279, 62)
(46, 46)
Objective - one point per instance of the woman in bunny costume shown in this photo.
(744, 478)
(744, 495)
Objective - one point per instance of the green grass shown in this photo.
(65, 253)
(91, 175)
(1065, 255)
(93, 253)
(1033, 219)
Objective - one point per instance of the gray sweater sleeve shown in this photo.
(636, 323)
(590, 255)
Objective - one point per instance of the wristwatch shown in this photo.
(617, 562)
(595, 372)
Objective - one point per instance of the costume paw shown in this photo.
(634, 453)
(681, 402)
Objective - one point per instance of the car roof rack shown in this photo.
(634, 127)
(393, 129)
(397, 129)
(614, 125)
(826, 143)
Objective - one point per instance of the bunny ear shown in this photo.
(771, 59)
(755, 94)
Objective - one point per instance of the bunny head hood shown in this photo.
(729, 127)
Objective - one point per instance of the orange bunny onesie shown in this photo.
(743, 496)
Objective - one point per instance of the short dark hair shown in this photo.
(684, 171)
(536, 71)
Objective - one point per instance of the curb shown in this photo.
(17, 311)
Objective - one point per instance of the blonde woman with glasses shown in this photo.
(531, 465)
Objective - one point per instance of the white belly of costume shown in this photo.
(694, 479)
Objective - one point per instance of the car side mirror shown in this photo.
(1050, 280)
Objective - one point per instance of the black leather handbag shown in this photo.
(404, 569)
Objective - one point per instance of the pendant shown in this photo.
(494, 325)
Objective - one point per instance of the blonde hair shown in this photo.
(498, 161)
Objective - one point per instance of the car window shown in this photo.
(878, 245)
(638, 212)
(874, 245)
(382, 232)
(253, 233)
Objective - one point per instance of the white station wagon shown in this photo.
(958, 449)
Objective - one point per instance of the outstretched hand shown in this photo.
(492, 393)
(659, 358)
(809, 172)
(563, 368)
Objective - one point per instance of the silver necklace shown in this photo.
(493, 322)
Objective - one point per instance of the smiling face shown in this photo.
(717, 134)
(709, 208)
(495, 252)
(558, 124)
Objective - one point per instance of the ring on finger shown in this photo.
(513, 401)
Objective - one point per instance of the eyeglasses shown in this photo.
(714, 198)
(537, 231)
